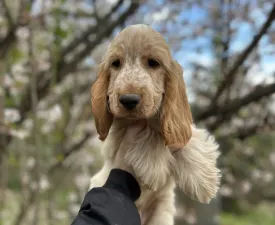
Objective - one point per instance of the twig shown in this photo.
(7, 42)
(4, 131)
(3, 181)
(25, 205)
(235, 104)
(227, 38)
(95, 11)
(247, 132)
(50, 172)
(229, 77)
(34, 102)
(83, 38)
(7, 14)
(67, 152)
(103, 31)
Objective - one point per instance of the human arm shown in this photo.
(111, 204)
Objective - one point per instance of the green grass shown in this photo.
(262, 215)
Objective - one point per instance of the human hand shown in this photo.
(129, 139)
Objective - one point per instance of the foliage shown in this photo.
(263, 214)
(49, 52)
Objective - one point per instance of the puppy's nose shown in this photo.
(129, 101)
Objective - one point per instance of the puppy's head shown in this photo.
(138, 79)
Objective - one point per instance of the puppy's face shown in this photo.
(138, 79)
(136, 64)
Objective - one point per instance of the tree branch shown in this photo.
(247, 132)
(234, 105)
(7, 14)
(7, 42)
(51, 170)
(85, 36)
(72, 149)
(225, 44)
(95, 10)
(229, 77)
(104, 30)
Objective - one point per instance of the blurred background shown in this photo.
(49, 52)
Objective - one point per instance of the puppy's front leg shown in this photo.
(162, 215)
(162, 211)
(99, 179)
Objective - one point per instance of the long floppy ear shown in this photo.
(103, 118)
(195, 171)
(176, 116)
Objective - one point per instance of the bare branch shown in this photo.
(4, 173)
(72, 149)
(226, 40)
(34, 102)
(51, 170)
(236, 104)
(7, 13)
(5, 138)
(7, 42)
(221, 119)
(85, 36)
(95, 10)
(247, 132)
(25, 205)
(229, 77)
(103, 30)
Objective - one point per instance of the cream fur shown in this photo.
(192, 168)
(165, 106)
(196, 172)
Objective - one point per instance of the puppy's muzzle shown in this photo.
(129, 101)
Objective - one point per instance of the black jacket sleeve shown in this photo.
(112, 204)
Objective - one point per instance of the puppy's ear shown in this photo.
(176, 117)
(103, 118)
(196, 171)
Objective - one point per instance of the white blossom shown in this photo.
(11, 115)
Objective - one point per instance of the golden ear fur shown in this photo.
(176, 114)
(103, 118)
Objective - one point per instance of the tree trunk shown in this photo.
(3, 133)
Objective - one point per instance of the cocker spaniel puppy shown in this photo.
(139, 80)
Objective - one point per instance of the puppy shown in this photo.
(139, 80)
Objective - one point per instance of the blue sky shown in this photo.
(196, 16)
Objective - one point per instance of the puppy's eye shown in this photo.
(116, 63)
(153, 63)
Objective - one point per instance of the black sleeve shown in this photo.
(112, 204)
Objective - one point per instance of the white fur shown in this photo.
(192, 168)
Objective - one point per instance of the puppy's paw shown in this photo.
(196, 172)
(100, 178)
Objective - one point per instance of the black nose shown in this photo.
(129, 101)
